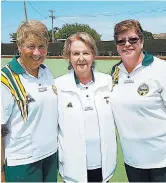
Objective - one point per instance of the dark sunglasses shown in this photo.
(131, 40)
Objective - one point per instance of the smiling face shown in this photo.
(132, 47)
(81, 58)
(33, 52)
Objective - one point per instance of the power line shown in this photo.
(35, 9)
(120, 13)
(10, 26)
(61, 20)
(101, 14)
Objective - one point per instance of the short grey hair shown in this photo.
(86, 39)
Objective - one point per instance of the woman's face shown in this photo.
(33, 52)
(81, 58)
(129, 45)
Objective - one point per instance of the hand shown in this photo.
(3, 176)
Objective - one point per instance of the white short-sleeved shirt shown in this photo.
(36, 138)
(139, 105)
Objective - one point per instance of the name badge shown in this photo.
(88, 108)
(128, 81)
(42, 89)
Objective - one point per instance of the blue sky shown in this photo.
(100, 15)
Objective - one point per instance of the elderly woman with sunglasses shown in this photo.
(87, 140)
(138, 101)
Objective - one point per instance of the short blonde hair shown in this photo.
(82, 36)
(32, 28)
(126, 25)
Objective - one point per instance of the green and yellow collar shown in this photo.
(16, 67)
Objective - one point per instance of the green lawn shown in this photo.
(59, 67)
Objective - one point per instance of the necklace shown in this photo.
(25, 67)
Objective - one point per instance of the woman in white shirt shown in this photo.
(138, 101)
(87, 140)
(29, 110)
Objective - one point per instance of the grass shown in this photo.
(59, 67)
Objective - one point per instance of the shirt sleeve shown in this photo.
(7, 103)
(163, 83)
(163, 93)
(110, 82)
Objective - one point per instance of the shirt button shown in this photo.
(128, 76)
(87, 95)
(86, 87)
(39, 84)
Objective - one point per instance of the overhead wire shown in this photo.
(97, 15)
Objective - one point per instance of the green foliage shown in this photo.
(13, 37)
(147, 35)
(69, 29)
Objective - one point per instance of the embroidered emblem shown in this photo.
(143, 89)
(30, 99)
(106, 100)
(69, 104)
(54, 89)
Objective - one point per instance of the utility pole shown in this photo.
(25, 10)
(52, 17)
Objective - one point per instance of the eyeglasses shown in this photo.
(131, 40)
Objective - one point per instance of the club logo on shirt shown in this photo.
(106, 99)
(143, 89)
(69, 104)
(54, 89)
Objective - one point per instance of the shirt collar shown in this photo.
(77, 80)
(148, 59)
(17, 68)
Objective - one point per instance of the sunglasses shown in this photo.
(131, 40)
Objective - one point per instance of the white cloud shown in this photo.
(154, 24)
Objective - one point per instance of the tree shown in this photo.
(69, 29)
(147, 35)
(13, 37)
